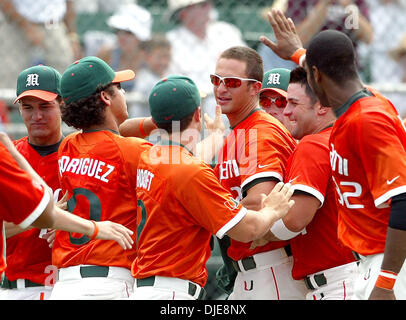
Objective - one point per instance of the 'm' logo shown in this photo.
(231, 204)
(32, 80)
(274, 78)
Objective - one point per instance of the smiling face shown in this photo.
(233, 100)
(42, 119)
(301, 111)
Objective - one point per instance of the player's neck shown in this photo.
(243, 113)
(338, 95)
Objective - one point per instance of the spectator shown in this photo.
(399, 55)
(33, 32)
(348, 16)
(157, 58)
(196, 43)
(387, 17)
(132, 25)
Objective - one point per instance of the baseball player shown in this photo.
(367, 155)
(181, 202)
(28, 252)
(326, 265)
(25, 199)
(98, 169)
(251, 162)
(273, 93)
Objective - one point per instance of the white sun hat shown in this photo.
(132, 18)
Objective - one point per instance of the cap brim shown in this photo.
(280, 91)
(41, 94)
(124, 75)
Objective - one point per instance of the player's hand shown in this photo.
(113, 231)
(268, 237)
(49, 237)
(279, 199)
(63, 202)
(382, 294)
(287, 39)
(217, 124)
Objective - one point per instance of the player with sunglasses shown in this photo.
(273, 94)
(253, 159)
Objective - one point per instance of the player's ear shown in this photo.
(105, 97)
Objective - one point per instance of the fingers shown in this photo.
(218, 112)
(268, 42)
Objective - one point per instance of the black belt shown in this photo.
(150, 281)
(356, 256)
(249, 263)
(94, 271)
(319, 279)
(7, 284)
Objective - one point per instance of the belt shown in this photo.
(315, 281)
(262, 259)
(78, 272)
(19, 284)
(357, 256)
(320, 279)
(189, 287)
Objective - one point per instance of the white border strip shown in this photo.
(37, 211)
(391, 193)
(265, 174)
(238, 217)
(317, 194)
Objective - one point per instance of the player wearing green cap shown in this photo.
(182, 202)
(27, 251)
(98, 169)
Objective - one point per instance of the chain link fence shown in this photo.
(156, 41)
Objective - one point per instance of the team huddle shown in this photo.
(305, 194)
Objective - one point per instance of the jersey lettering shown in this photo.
(86, 166)
(144, 179)
(343, 197)
(337, 162)
(229, 169)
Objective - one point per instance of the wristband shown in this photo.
(95, 232)
(386, 279)
(281, 231)
(298, 56)
(141, 128)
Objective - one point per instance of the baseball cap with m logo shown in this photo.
(42, 82)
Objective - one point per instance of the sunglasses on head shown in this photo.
(266, 102)
(229, 82)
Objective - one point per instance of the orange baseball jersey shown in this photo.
(22, 200)
(181, 204)
(27, 254)
(309, 171)
(368, 160)
(99, 170)
(257, 149)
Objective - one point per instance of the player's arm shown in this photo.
(11, 229)
(295, 221)
(395, 250)
(253, 198)
(255, 224)
(137, 127)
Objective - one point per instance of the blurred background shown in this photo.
(159, 37)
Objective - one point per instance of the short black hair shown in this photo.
(88, 111)
(183, 124)
(332, 52)
(299, 75)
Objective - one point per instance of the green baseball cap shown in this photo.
(276, 80)
(173, 98)
(82, 78)
(40, 81)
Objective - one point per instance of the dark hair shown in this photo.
(183, 124)
(299, 75)
(255, 64)
(88, 111)
(332, 52)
